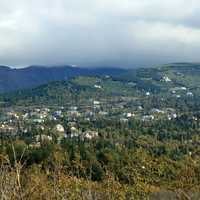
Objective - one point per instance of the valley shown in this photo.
(137, 131)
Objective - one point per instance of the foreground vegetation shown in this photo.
(126, 161)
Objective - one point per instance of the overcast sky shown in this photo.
(125, 33)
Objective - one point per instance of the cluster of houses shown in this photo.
(117, 110)
(47, 121)
(62, 120)
(177, 90)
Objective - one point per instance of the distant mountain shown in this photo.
(181, 74)
(33, 76)
(166, 81)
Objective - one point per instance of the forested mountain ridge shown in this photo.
(12, 79)
(15, 79)
(169, 80)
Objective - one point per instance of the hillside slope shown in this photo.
(33, 76)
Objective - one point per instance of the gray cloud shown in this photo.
(126, 33)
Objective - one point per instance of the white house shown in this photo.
(90, 134)
(59, 128)
(148, 117)
(190, 94)
(96, 102)
(97, 86)
(166, 79)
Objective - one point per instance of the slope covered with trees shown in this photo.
(133, 136)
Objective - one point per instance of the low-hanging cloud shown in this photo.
(126, 33)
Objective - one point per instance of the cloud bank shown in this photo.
(128, 33)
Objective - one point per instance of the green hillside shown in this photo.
(179, 79)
